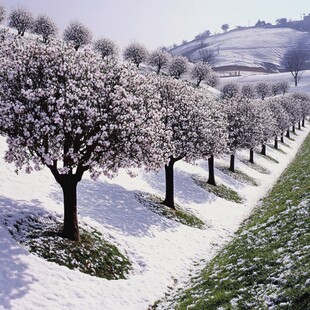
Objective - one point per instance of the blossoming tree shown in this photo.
(72, 113)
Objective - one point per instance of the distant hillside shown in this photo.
(251, 49)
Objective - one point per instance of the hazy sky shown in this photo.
(157, 23)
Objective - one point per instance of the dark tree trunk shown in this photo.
(299, 126)
(169, 175)
(211, 179)
(282, 138)
(71, 227)
(303, 123)
(276, 142)
(68, 183)
(288, 133)
(293, 129)
(251, 156)
(296, 79)
(232, 163)
(263, 152)
(198, 82)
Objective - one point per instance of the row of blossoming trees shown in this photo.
(72, 112)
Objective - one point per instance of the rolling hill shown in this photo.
(251, 49)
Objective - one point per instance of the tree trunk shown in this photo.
(303, 123)
(276, 142)
(288, 133)
(295, 79)
(211, 179)
(251, 156)
(68, 183)
(232, 163)
(282, 138)
(169, 175)
(71, 227)
(293, 129)
(299, 126)
(263, 152)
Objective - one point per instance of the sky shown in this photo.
(157, 23)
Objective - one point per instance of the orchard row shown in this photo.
(73, 112)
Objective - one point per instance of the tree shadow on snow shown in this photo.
(185, 188)
(117, 208)
(15, 278)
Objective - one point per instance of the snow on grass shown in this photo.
(267, 265)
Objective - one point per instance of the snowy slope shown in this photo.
(163, 252)
(303, 84)
(253, 48)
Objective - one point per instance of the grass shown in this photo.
(220, 190)
(239, 176)
(185, 217)
(267, 265)
(92, 255)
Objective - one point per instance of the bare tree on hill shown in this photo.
(208, 55)
(293, 61)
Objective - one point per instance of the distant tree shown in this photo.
(213, 79)
(208, 55)
(293, 109)
(260, 23)
(77, 34)
(178, 66)
(200, 71)
(225, 27)
(283, 87)
(236, 120)
(269, 129)
(282, 121)
(281, 21)
(159, 59)
(45, 27)
(135, 53)
(304, 102)
(262, 89)
(184, 42)
(248, 91)
(230, 90)
(293, 61)
(253, 126)
(21, 20)
(107, 48)
(2, 13)
(203, 35)
(275, 89)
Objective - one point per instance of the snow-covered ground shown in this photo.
(252, 47)
(303, 84)
(163, 252)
